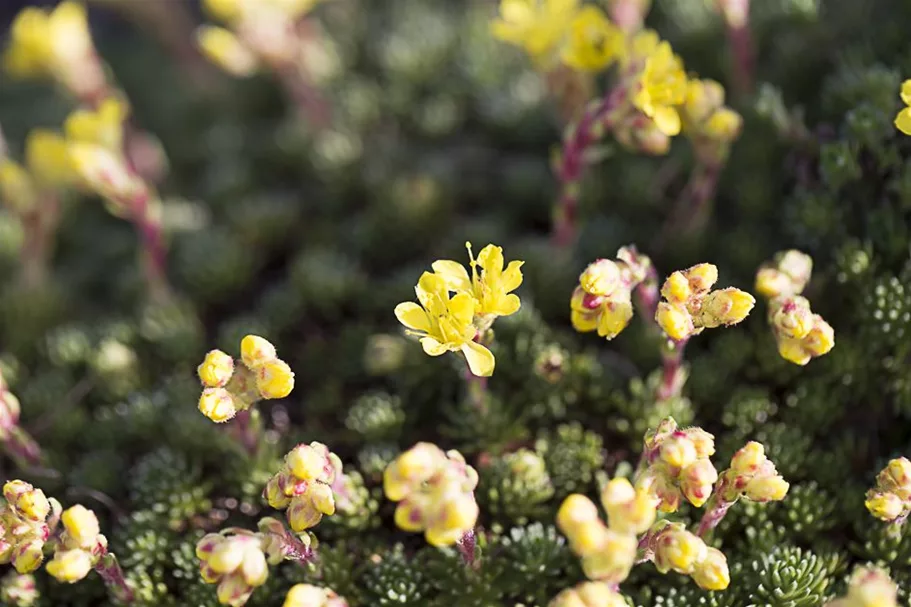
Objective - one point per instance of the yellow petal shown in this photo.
(454, 273)
(508, 305)
(667, 120)
(480, 359)
(226, 50)
(512, 277)
(433, 347)
(412, 316)
(462, 307)
(429, 286)
(584, 322)
(491, 259)
(903, 121)
(906, 92)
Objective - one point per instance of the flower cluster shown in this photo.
(800, 334)
(678, 465)
(30, 524)
(303, 486)
(47, 169)
(14, 439)
(608, 552)
(691, 306)
(56, 45)
(79, 548)
(24, 521)
(890, 499)
(602, 301)
(752, 475)
(676, 549)
(708, 122)
(457, 309)
(435, 491)
(230, 386)
(235, 560)
(261, 32)
(305, 595)
(589, 594)
(868, 587)
(18, 589)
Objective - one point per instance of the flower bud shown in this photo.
(726, 307)
(884, 506)
(601, 277)
(256, 350)
(724, 124)
(17, 189)
(797, 265)
(679, 550)
(216, 369)
(274, 379)
(767, 489)
(233, 590)
(896, 477)
(772, 282)
(589, 594)
(821, 338)
(70, 566)
(614, 558)
(792, 317)
(254, 568)
(575, 510)
(305, 595)
(871, 587)
(81, 526)
(305, 462)
(748, 458)
(48, 158)
(217, 404)
(675, 321)
(676, 288)
(697, 480)
(227, 555)
(411, 467)
(303, 514)
(409, 516)
(701, 277)
(19, 590)
(702, 98)
(28, 501)
(711, 573)
(677, 451)
(615, 316)
(27, 556)
(702, 440)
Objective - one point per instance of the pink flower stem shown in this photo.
(22, 447)
(148, 227)
(109, 570)
(467, 546)
(597, 118)
(740, 41)
(672, 377)
(246, 430)
(714, 513)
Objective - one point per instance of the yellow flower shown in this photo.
(600, 278)
(103, 127)
(274, 379)
(29, 50)
(256, 350)
(724, 124)
(444, 324)
(226, 51)
(70, 565)
(27, 557)
(28, 501)
(674, 320)
(679, 550)
(696, 481)
(216, 369)
(903, 120)
(490, 288)
(662, 87)
(17, 188)
(538, 26)
(589, 594)
(48, 158)
(726, 307)
(457, 516)
(81, 526)
(594, 42)
(712, 572)
(225, 10)
(305, 462)
(305, 595)
(217, 404)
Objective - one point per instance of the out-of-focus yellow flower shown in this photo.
(724, 125)
(589, 594)
(662, 87)
(676, 549)
(103, 127)
(305, 595)
(594, 42)
(226, 51)
(444, 323)
(538, 26)
(903, 119)
(628, 510)
(753, 476)
(48, 158)
(17, 188)
(233, 559)
(869, 587)
(227, 11)
(27, 556)
(712, 572)
(890, 499)
(70, 566)
(491, 287)
(43, 43)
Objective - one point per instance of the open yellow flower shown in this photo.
(538, 26)
(903, 120)
(594, 42)
(662, 87)
(444, 324)
(490, 288)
